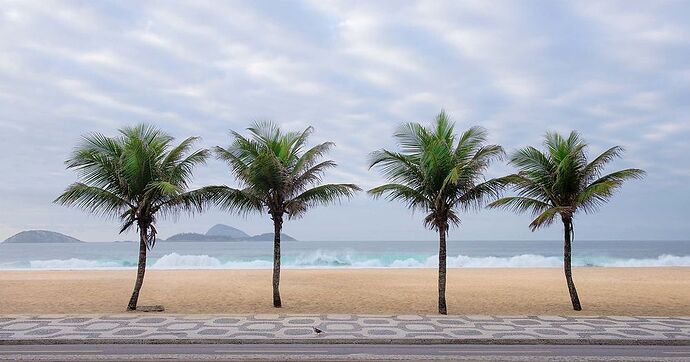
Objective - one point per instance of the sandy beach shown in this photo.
(603, 291)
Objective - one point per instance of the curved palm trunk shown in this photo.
(141, 269)
(277, 227)
(442, 271)
(568, 227)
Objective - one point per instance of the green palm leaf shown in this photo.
(136, 177)
(439, 173)
(278, 176)
(559, 182)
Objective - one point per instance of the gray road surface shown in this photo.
(378, 352)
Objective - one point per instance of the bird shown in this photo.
(316, 330)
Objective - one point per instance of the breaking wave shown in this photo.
(348, 259)
(74, 263)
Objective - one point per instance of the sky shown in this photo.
(616, 71)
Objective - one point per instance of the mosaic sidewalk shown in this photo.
(137, 328)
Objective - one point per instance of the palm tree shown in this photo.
(560, 182)
(135, 177)
(441, 174)
(279, 176)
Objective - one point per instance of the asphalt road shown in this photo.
(341, 352)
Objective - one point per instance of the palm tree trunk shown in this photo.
(141, 269)
(442, 271)
(277, 227)
(568, 227)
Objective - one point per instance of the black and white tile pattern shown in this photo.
(142, 328)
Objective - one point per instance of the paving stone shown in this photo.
(44, 331)
(103, 326)
(465, 332)
(300, 321)
(419, 327)
(497, 327)
(212, 332)
(377, 322)
(655, 327)
(339, 317)
(267, 317)
(550, 332)
(21, 326)
(578, 327)
(74, 320)
(261, 326)
(526, 322)
(341, 326)
(129, 332)
(150, 320)
(298, 332)
(227, 321)
(635, 332)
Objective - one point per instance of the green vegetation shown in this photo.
(279, 176)
(441, 174)
(560, 182)
(136, 177)
(140, 175)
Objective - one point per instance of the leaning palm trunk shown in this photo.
(277, 227)
(560, 182)
(442, 271)
(136, 177)
(141, 269)
(568, 232)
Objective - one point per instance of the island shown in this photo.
(222, 232)
(41, 236)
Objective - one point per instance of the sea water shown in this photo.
(344, 254)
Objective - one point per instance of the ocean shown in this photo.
(344, 254)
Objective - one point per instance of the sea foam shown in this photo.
(349, 259)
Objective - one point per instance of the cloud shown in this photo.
(615, 71)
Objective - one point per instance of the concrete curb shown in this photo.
(407, 341)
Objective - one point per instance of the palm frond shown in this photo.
(437, 171)
(560, 180)
(546, 218)
(311, 156)
(312, 175)
(93, 199)
(479, 194)
(520, 204)
(134, 176)
(601, 190)
(191, 202)
(319, 195)
(398, 192)
(595, 167)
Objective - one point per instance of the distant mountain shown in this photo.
(228, 231)
(41, 236)
(221, 232)
(187, 237)
(269, 237)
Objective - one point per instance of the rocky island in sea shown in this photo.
(41, 236)
(221, 232)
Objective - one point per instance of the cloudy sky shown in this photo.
(616, 71)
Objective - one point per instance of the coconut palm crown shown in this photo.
(278, 175)
(560, 182)
(441, 174)
(135, 177)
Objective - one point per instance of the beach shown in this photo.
(498, 291)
